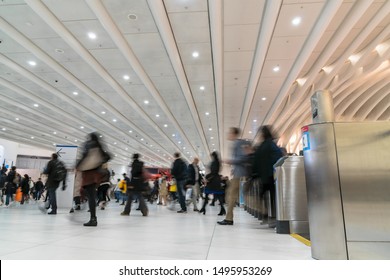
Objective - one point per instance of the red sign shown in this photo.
(305, 128)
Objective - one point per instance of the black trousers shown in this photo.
(131, 195)
(91, 194)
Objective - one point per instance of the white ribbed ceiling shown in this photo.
(170, 100)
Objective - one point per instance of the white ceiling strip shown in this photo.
(161, 19)
(216, 26)
(267, 26)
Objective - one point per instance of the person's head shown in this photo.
(13, 168)
(214, 156)
(54, 156)
(135, 156)
(118, 180)
(93, 136)
(196, 160)
(234, 133)
(265, 132)
(39, 179)
(124, 175)
(26, 177)
(176, 155)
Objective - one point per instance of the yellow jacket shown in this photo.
(122, 186)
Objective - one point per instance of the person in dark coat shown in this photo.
(194, 181)
(92, 175)
(135, 186)
(24, 184)
(213, 184)
(264, 158)
(10, 186)
(179, 171)
(51, 184)
(38, 189)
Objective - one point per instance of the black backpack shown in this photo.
(59, 171)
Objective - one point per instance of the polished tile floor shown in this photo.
(27, 233)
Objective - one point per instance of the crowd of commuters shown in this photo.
(184, 185)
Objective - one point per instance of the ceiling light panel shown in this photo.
(80, 30)
(309, 11)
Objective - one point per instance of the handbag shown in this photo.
(93, 160)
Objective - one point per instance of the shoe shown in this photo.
(92, 223)
(52, 213)
(203, 210)
(77, 207)
(71, 210)
(138, 209)
(196, 210)
(146, 213)
(125, 214)
(122, 204)
(225, 222)
(182, 211)
(222, 212)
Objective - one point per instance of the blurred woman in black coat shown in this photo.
(264, 158)
(213, 184)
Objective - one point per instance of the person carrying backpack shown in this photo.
(179, 171)
(56, 173)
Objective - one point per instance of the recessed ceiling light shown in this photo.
(103, 112)
(32, 137)
(114, 143)
(179, 142)
(92, 35)
(75, 140)
(296, 21)
(132, 17)
(4, 129)
(195, 54)
(201, 88)
(114, 120)
(157, 116)
(142, 139)
(184, 148)
(130, 131)
(17, 119)
(32, 63)
(250, 132)
(213, 144)
(207, 113)
(211, 137)
(82, 127)
(126, 77)
(210, 129)
(276, 69)
(146, 101)
(101, 136)
(165, 125)
(254, 120)
(75, 93)
(126, 149)
(173, 135)
(54, 132)
(36, 105)
(264, 98)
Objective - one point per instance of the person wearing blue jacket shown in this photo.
(238, 162)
